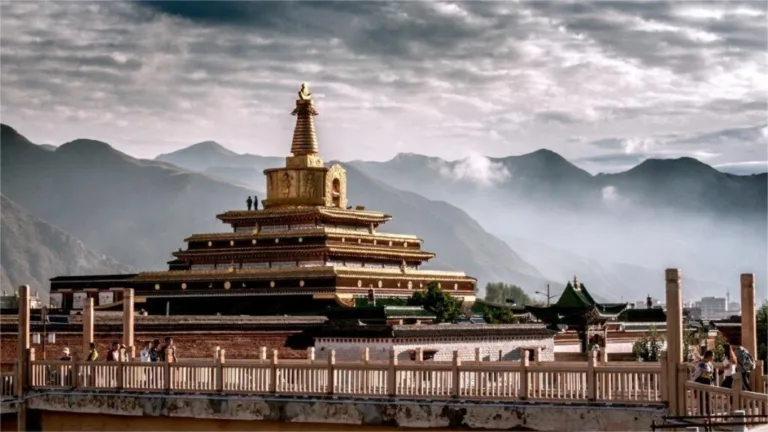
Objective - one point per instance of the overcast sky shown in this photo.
(605, 84)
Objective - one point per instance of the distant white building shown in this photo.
(714, 308)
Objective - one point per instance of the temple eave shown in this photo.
(319, 231)
(319, 271)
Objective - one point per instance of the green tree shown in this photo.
(500, 316)
(719, 348)
(445, 307)
(499, 293)
(648, 348)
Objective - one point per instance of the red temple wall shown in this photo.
(238, 344)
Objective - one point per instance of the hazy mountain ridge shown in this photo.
(33, 251)
(140, 211)
(210, 154)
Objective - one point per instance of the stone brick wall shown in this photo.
(350, 349)
(239, 345)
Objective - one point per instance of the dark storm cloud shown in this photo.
(399, 29)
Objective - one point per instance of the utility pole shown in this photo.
(547, 295)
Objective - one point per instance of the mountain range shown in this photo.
(617, 230)
(533, 219)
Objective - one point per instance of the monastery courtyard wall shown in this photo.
(123, 412)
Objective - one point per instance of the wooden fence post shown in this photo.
(680, 395)
(30, 371)
(662, 380)
(524, 381)
(365, 358)
(736, 389)
(311, 354)
(74, 373)
(272, 371)
(220, 370)
(419, 355)
(456, 391)
(477, 354)
(263, 354)
(392, 374)
(591, 376)
(537, 355)
(331, 377)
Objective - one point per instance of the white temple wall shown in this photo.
(350, 349)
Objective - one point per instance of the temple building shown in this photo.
(577, 312)
(305, 251)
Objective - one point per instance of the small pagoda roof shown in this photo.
(576, 306)
(273, 213)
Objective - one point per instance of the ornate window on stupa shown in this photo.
(336, 192)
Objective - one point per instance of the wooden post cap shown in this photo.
(747, 279)
(673, 275)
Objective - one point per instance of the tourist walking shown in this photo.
(93, 353)
(168, 351)
(703, 375)
(154, 354)
(729, 366)
(88, 371)
(114, 352)
(144, 354)
(745, 364)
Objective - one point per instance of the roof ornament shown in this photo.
(576, 282)
(304, 93)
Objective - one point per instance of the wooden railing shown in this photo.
(517, 380)
(8, 390)
(718, 402)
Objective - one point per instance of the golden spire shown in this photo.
(304, 138)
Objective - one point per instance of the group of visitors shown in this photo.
(737, 360)
(152, 352)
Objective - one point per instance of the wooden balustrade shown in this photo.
(8, 390)
(711, 400)
(518, 380)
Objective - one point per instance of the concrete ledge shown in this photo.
(393, 412)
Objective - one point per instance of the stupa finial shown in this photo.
(304, 138)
